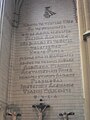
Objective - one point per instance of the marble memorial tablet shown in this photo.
(47, 59)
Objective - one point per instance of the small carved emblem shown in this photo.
(48, 13)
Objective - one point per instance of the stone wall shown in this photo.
(6, 33)
(47, 61)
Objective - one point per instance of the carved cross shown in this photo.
(40, 108)
(13, 114)
(66, 115)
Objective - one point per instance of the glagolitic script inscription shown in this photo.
(50, 58)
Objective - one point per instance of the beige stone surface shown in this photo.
(5, 54)
(37, 64)
(46, 61)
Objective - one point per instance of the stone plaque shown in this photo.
(47, 59)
